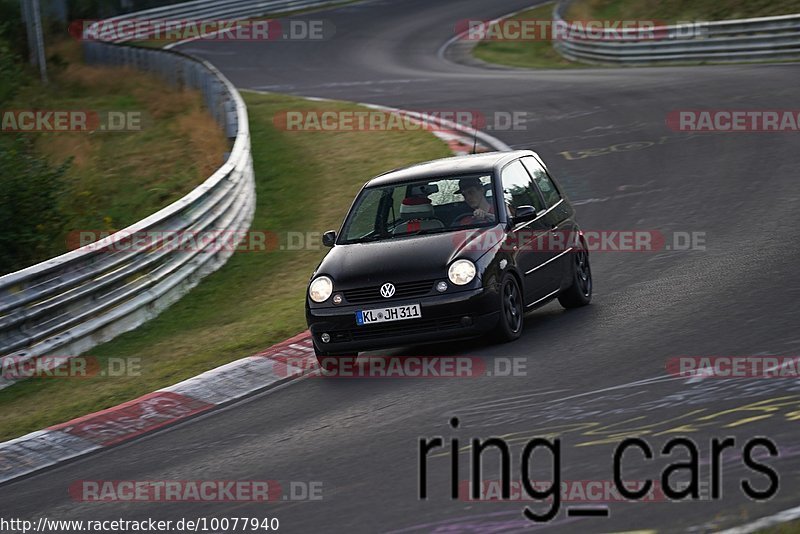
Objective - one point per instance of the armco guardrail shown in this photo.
(66, 305)
(209, 11)
(755, 39)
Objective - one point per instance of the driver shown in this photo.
(475, 197)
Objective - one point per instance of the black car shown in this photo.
(446, 249)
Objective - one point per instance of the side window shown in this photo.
(543, 181)
(518, 190)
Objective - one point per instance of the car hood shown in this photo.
(405, 259)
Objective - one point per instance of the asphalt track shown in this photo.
(595, 375)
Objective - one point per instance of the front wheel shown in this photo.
(510, 325)
(580, 292)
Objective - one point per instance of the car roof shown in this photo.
(484, 162)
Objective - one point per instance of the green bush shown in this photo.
(12, 31)
(93, 9)
(10, 71)
(30, 187)
(30, 191)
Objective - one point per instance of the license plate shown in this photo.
(382, 315)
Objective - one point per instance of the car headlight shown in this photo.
(461, 272)
(320, 289)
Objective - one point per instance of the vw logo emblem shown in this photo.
(387, 290)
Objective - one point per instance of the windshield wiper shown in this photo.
(423, 231)
(364, 239)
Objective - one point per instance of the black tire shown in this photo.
(511, 322)
(580, 292)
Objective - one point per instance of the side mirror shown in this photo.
(524, 213)
(329, 238)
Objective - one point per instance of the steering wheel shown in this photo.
(455, 220)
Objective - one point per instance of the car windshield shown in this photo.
(421, 207)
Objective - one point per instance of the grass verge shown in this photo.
(117, 178)
(305, 181)
(528, 54)
(792, 527)
(542, 55)
(672, 11)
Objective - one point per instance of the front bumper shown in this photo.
(457, 315)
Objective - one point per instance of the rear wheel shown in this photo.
(510, 325)
(580, 292)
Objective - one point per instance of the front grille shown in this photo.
(403, 290)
